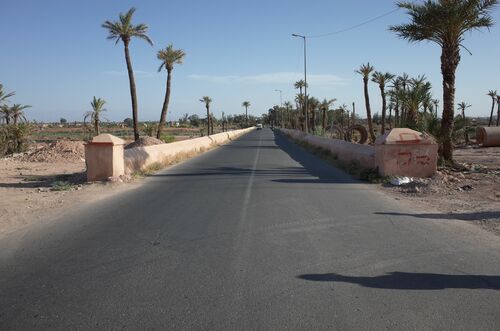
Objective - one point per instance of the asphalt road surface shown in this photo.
(255, 235)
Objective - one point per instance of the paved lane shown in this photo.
(258, 235)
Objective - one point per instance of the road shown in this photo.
(254, 235)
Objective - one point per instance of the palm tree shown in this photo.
(17, 113)
(381, 79)
(4, 95)
(288, 107)
(5, 114)
(207, 101)
(300, 84)
(498, 110)
(365, 70)
(246, 104)
(95, 116)
(168, 57)
(124, 30)
(493, 95)
(462, 106)
(324, 107)
(445, 22)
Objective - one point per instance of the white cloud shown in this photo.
(274, 78)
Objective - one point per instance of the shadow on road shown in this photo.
(475, 216)
(313, 165)
(412, 281)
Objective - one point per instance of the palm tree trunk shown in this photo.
(96, 123)
(246, 116)
(492, 109)
(133, 92)
(498, 111)
(368, 110)
(450, 58)
(384, 107)
(208, 120)
(164, 109)
(323, 121)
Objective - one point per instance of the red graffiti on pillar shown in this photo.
(404, 159)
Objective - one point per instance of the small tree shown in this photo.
(95, 115)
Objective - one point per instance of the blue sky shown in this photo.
(55, 55)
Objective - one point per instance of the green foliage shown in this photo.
(63, 120)
(128, 122)
(61, 186)
(168, 138)
(150, 129)
(14, 138)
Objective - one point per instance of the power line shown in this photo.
(354, 26)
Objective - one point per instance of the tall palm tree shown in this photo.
(288, 107)
(300, 84)
(124, 30)
(324, 107)
(207, 101)
(246, 104)
(445, 22)
(381, 79)
(95, 115)
(365, 70)
(493, 95)
(498, 110)
(168, 57)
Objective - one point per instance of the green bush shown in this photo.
(14, 138)
(168, 138)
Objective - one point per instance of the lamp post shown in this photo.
(281, 105)
(305, 82)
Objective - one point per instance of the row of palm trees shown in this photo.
(123, 30)
(445, 23)
(10, 114)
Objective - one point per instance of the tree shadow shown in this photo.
(44, 181)
(472, 216)
(412, 281)
(314, 166)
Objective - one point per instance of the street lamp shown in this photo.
(305, 81)
(281, 105)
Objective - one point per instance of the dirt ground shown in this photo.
(469, 192)
(45, 182)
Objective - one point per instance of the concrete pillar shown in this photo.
(104, 157)
(406, 152)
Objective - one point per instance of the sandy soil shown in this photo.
(470, 192)
(34, 192)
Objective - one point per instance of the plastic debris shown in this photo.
(398, 181)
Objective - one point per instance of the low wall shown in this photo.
(362, 155)
(400, 152)
(139, 158)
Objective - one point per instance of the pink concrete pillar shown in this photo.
(104, 157)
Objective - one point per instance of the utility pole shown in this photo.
(305, 82)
